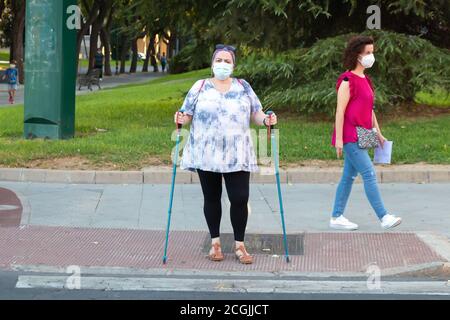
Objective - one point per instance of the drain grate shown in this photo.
(271, 244)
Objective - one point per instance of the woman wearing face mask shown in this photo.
(355, 107)
(220, 145)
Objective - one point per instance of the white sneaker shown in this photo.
(342, 223)
(390, 221)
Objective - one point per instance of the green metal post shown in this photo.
(50, 70)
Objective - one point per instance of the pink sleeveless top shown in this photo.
(360, 106)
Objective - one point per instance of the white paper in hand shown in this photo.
(383, 155)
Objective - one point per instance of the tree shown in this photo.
(105, 7)
(136, 33)
(429, 19)
(5, 24)
(90, 11)
(156, 18)
(17, 8)
(150, 49)
(105, 35)
(281, 25)
(134, 55)
(127, 27)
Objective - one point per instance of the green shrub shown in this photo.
(436, 97)
(304, 79)
(178, 64)
(192, 57)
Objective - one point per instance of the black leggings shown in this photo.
(237, 184)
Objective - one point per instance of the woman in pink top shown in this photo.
(355, 106)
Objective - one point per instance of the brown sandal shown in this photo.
(217, 254)
(243, 257)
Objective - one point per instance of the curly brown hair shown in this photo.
(354, 48)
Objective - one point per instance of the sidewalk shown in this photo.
(107, 83)
(119, 229)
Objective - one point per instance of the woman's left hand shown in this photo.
(382, 140)
(271, 120)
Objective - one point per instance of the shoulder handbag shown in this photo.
(198, 93)
(367, 138)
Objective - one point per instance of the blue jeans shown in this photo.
(357, 160)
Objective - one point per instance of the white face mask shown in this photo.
(367, 61)
(12, 66)
(222, 70)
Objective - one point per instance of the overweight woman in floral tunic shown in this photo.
(220, 110)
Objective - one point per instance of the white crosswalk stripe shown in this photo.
(4, 207)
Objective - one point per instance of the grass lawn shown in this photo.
(130, 127)
(4, 56)
(438, 98)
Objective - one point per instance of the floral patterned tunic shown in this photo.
(220, 138)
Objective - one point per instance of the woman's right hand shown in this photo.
(339, 147)
(179, 118)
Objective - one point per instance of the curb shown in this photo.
(241, 286)
(193, 273)
(163, 175)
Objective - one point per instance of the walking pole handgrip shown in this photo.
(179, 125)
(270, 114)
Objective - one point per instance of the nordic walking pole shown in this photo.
(277, 174)
(179, 126)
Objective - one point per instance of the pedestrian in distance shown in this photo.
(99, 62)
(220, 110)
(163, 62)
(355, 121)
(12, 77)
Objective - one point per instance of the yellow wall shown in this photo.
(143, 43)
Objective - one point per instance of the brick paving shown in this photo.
(143, 249)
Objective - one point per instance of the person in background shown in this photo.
(163, 62)
(355, 108)
(12, 77)
(99, 62)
